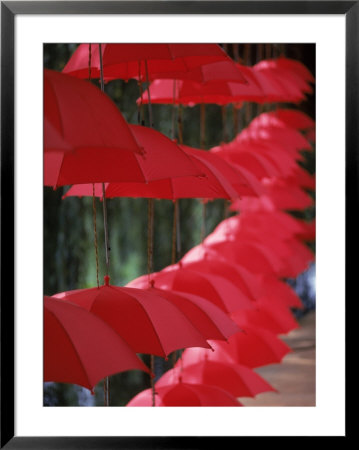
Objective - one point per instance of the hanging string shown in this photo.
(174, 233)
(93, 190)
(224, 123)
(95, 230)
(149, 271)
(202, 125)
(150, 215)
(104, 206)
(149, 96)
(106, 381)
(140, 107)
(268, 51)
(203, 228)
(180, 124)
(153, 381)
(173, 126)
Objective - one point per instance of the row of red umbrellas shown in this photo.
(184, 305)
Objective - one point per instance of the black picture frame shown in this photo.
(9, 9)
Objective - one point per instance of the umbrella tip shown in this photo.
(107, 280)
(152, 283)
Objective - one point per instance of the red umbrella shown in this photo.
(292, 92)
(242, 180)
(269, 316)
(289, 138)
(252, 347)
(274, 289)
(293, 118)
(160, 158)
(246, 156)
(80, 348)
(238, 380)
(148, 322)
(254, 256)
(286, 196)
(203, 258)
(214, 288)
(90, 124)
(127, 61)
(297, 67)
(207, 318)
(185, 394)
(280, 72)
(189, 92)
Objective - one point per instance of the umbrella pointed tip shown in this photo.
(107, 280)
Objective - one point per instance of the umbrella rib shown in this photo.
(153, 327)
(58, 110)
(75, 350)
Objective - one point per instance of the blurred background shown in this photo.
(69, 256)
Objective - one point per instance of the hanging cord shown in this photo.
(268, 51)
(106, 381)
(149, 96)
(174, 233)
(95, 230)
(180, 124)
(150, 215)
(173, 125)
(93, 190)
(202, 125)
(224, 123)
(149, 271)
(203, 228)
(140, 119)
(107, 245)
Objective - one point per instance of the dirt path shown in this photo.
(294, 378)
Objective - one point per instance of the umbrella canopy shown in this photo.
(254, 256)
(150, 323)
(207, 318)
(245, 155)
(140, 61)
(252, 347)
(203, 259)
(281, 117)
(221, 89)
(211, 183)
(80, 348)
(269, 316)
(87, 122)
(214, 288)
(160, 158)
(185, 394)
(238, 380)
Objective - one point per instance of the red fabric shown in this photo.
(202, 259)
(80, 348)
(127, 61)
(238, 380)
(217, 180)
(271, 317)
(150, 323)
(252, 347)
(206, 317)
(160, 158)
(214, 288)
(293, 118)
(185, 394)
